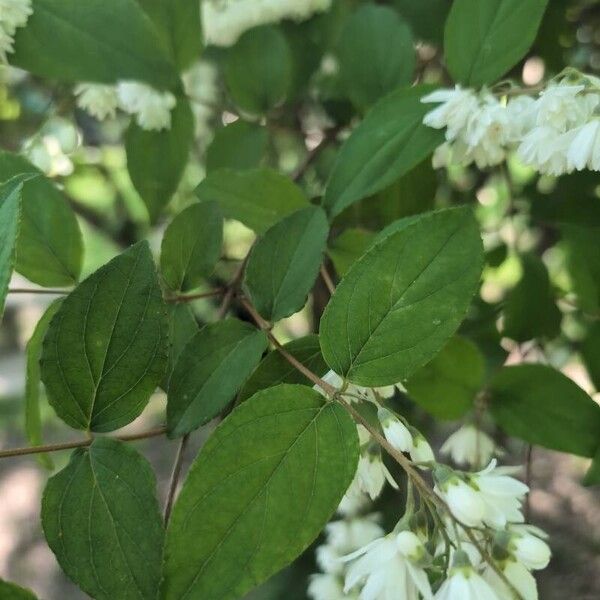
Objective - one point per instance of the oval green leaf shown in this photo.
(285, 261)
(259, 493)
(106, 348)
(10, 218)
(10, 591)
(101, 519)
(402, 301)
(210, 371)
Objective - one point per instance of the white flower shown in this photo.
(584, 150)
(372, 473)
(354, 500)
(349, 535)
(562, 106)
(98, 100)
(521, 114)
(469, 446)
(389, 568)
(464, 501)
(327, 587)
(421, 451)
(530, 550)
(328, 559)
(465, 584)
(518, 576)
(224, 21)
(456, 108)
(545, 149)
(151, 107)
(501, 494)
(13, 14)
(355, 393)
(46, 154)
(396, 433)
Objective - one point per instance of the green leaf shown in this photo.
(258, 198)
(590, 352)
(530, 310)
(404, 299)
(10, 217)
(101, 518)
(210, 371)
(446, 387)
(275, 369)
(33, 421)
(156, 160)
(375, 53)
(49, 246)
(592, 477)
(178, 22)
(95, 40)
(426, 18)
(486, 38)
(10, 591)
(387, 144)
(285, 261)
(191, 246)
(348, 247)
(241, 145)
(542, 406)
(258, 70)
(182, 328)
(259, 493)
(106, 348)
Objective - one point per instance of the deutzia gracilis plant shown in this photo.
(299, 299)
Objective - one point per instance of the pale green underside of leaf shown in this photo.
(387, 144)
(210, 371)
(258, 198)
(485, 38)
(106, 348)
(402, 301)
(70, 40)
(10, 217)
(101, 519)
(565, 417)
(284, 263)
(262, 488)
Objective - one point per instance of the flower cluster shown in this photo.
(13, 14)
(466, 541)
(556, 133)
(224, 21)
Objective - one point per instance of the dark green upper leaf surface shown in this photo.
(101, 518)
(95, 40)
(446, 387)
(106, 348)
(259, 493)
(590, 352)
(240, 145)
(10, 591)
(49, 246)
(275, 368)
(402, 301)
(376, 54)
(10, 217)
(210, 371)
(387, 144)
(486, 38)
(258, 198)
(258, 69)
(285, 261)
(182, 328)
(191, 246)
(156, 159)
(542, 406)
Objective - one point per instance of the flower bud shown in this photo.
(396, 433)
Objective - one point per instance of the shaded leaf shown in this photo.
(348, 247)
(240, 145)
(182, 328)
(10, 218)
(10, 591)
(590, 352)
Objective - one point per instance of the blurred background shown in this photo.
(519, 214)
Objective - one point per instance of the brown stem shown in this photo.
(327, 279)
(79, 443)
(328, 137)
(175, 475)
(232, 288)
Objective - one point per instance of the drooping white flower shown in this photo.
(13, 14)
(469, 446)
(464, 583)
(395, 431)
(325, 586)
(532, 552)
(355, 393)
(563, 106)
(349, 535)
(521, 115)
(46, 154)
(518, 576)
(464, 501)
(372, 473)
(545, 149)
(328, 560)
(421, 451)
(98, 100)
(584, 150)
(354, 500)
(502, 495)
(389, 567)
(224, 21)
(455, 108)
(152, 109)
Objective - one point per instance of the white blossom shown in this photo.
(13, 14)
(421, 451)
(518, 576)
(98, 100)
(464, 501)
(224, 21)
(469, 446)
(152, 108)
(465, 583)
(349, 535)
(562, 106)
(396, 433)
(389, 567)
(530, 551)
(325, 586)
(545, 149)
(456, 108)
(584, 149)
(353, 392)
(372, 473)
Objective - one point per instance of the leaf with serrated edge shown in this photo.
(259, 493)
(106, 348)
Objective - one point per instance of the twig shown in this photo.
(327, 280)
(190, 297)
(78, 444)
(176, 473)
(232, 288)
(328, 137)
